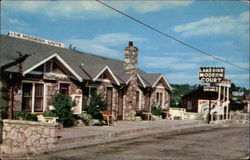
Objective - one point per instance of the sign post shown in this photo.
(211, 75)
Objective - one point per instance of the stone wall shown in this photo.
(28, 137)
(130, 98)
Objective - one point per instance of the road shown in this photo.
(203, 143)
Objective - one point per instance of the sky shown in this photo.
(220, 28)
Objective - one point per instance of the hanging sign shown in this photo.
(210, 88)
(211, 74)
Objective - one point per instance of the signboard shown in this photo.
(211, 74)
(210, 88)
(36, 39)
(237, 93)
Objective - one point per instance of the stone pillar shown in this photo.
(130, 59)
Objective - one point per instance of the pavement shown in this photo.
(84, 136)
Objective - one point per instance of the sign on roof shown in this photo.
(36, 39)
(211, 74)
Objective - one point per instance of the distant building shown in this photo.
(32, 73)
(198, 101)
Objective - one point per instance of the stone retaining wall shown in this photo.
(28, 137)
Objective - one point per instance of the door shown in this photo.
(38, 106)
(109, 98)
(120, 105)
(147, 101)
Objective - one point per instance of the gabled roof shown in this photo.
(84, 65)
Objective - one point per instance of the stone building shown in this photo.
(33, 72)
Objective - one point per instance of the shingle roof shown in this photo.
(85, 65)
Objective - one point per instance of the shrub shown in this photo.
(95, 106)
(63, 109)
(49, 114)
(3, 112)
(86, 118)
(23, 115)
(156, 110)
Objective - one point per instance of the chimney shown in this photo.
(130, 59)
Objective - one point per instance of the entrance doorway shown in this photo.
(120, 105)
(109, 98)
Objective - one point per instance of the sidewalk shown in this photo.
(84, 136)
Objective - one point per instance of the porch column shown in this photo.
(219, 95)
(224, 94)
(227, 112)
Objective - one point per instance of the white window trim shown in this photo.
(49, 58)
(33, 94)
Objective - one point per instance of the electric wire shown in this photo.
(171, 37)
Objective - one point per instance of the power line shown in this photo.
(166, 35)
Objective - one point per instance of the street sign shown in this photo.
(210, 88)
(211, 74)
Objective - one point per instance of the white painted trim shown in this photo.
(162, 76)
(141, 80)
(104, 69)
(47, 59)
(44, 96)
(129, 79)
(33, 98)
(140, 95)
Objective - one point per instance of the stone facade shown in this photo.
(19, 137)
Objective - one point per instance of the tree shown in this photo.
(63, 109)
(95, 106)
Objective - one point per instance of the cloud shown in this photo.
(14, 21)
(244, 17)
(88, 9)
(182, 78)
(167, 62)
(104, 44)
(215, 25)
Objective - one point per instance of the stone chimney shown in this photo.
(130, 59)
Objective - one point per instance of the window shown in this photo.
(48, 66)
(27, 97)
(87, 92)
(159, 98)
(93, 90)
(32, 97)
(109, 98)
(38, 97)
(64, 88)
(189, 105)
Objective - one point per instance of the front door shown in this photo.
(147, 101)
(120, 105)
(109, 98)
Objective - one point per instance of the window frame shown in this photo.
(32, 110)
